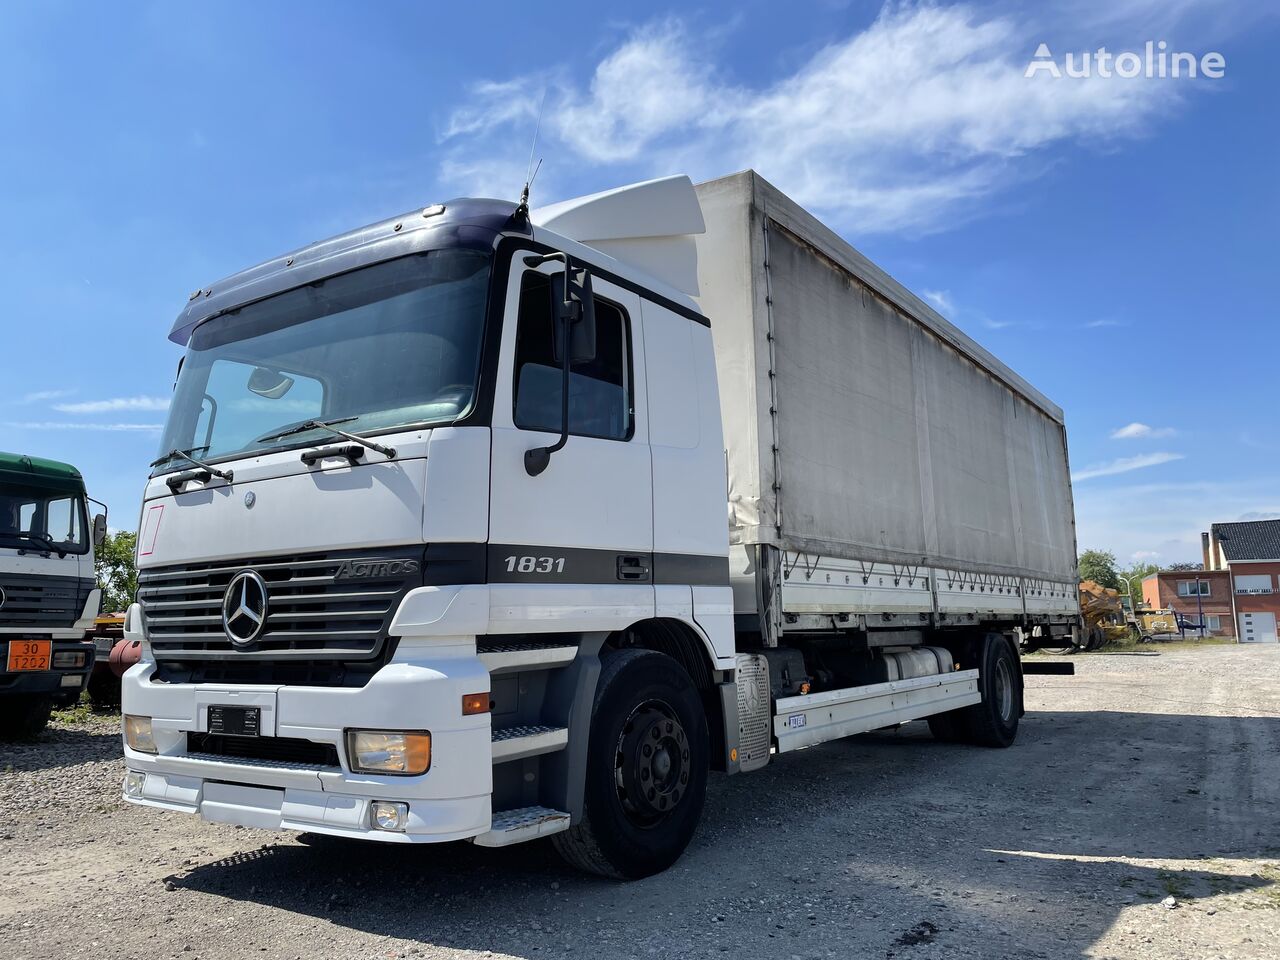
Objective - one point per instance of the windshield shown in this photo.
(32, 518)
(385, 346)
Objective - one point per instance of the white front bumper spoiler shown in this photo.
(422, 689)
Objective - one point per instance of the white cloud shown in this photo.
(493, 104)
(1144, 554)
(1141, 431)
(904, 125)
(114, 404)
(111, 427)
(941, 299)
(1124, 465)
(41, 396)
(652, 85)
(1097, 324)
(1167, 517)
(494, 177)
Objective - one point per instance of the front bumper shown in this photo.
(62, 684)
(421, 689)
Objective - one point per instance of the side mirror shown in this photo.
(579, 308)
(99, 529)
(575, 310)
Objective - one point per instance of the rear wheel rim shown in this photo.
(1004, 689)
(652, 763)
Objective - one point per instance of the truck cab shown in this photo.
(48, 592)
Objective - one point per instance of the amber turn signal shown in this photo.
(473, 703)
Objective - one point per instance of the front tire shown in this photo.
(24, 718)
(646, 776)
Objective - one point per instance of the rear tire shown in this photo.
(24, 718)
(1097, 637)
(104, 689)
(948, 727)
(646, 776)
(994, 721)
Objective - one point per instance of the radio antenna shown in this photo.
(522, 209)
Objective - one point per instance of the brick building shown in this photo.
(1249, 552)
(1192, 594)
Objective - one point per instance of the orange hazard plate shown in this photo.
(30, 655)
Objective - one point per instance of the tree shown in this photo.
(1184, 567)
(117, 575)
(1100, 566)
(1134, 576)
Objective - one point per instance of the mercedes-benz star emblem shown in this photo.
(244, 608)
(250, 499)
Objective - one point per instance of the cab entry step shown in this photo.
(523, 823)
(516, 743)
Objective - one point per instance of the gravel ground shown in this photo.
(1144, 777)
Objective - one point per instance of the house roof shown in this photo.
(1249, 540)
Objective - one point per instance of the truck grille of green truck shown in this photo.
(42, 603)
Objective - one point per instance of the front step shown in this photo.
(524, 655)
(521, 824)
(516, 743)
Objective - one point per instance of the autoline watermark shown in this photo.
(1156, 61)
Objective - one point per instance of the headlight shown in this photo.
(137, 734)
(403, 754)
(134, 783)
(68, 660)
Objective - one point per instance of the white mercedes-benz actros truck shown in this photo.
(48, 592)
(490, 524)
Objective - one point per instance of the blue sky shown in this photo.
(1112, 239)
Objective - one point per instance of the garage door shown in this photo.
(1257, 628)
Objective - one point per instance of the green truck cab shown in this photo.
(48, 592)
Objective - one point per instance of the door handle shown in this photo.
(633, 568)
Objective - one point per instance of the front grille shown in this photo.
(311, 613)
(40, 602)
(283, 751)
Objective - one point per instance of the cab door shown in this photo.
(580, 534)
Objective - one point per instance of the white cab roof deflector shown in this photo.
(650, 225)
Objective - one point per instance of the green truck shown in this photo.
(48, 593)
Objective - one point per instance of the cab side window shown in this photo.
(62, 520)
(600, 390)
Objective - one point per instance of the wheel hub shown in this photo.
(652, 762)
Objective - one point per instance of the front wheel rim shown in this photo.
(652, 763)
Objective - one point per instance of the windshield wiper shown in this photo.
(184, 454)
(207, 469)
(388, 452)
(304, 427)
(49, 545)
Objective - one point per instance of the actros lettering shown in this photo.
(362, 569)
